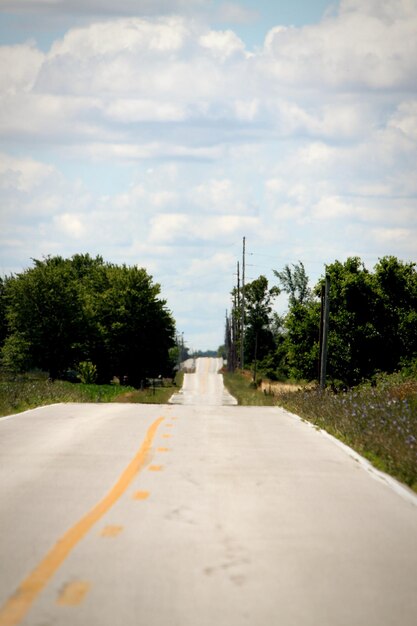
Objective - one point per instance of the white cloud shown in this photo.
(181, 227)
(24, 174)
(221, 196)
(222, 44)
(405, 119)
(131, 110)
(19, 67)
(70, 224)
(133, 152)
(386, 10)
(125, 35)
(358, 48)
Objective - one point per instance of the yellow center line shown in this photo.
(15, 609)
(73, 593)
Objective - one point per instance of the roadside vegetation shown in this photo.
(372, 323)
(370, 397)
(378, 419)
(239, 385)
(32, 390)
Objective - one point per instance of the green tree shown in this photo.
(137, 329)
(297, 334)
(3, 320)
(44, 310)
(15, 354)
(353, 335)
(65, 311)
(372, 318)
(301, 340)
(396, 314)
(295, 283)
(258, 340)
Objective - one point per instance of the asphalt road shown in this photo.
(196, 515)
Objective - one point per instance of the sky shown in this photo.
(159, 133)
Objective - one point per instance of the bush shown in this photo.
(87, 372)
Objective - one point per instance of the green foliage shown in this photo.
(378, 420)
(372, 326)
(87, 372)
(3, 320)
(258, 317)
(43, 305)
(15, 354)
(302, 340)
(33, 390)
(372, 318)
(221, 352)
(294, 282)
(20, 395)
(245, 391)
(65, 311)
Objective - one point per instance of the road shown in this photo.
(204, 387)
(196, 515)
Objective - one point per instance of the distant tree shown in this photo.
(221, 352)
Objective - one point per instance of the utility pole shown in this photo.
(242, 334)
(325, 308)
(237, 325)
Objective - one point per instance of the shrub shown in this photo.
(87, 372)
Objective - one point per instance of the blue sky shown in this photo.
(160, 132)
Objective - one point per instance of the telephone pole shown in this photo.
(242, 334)
(325, 308)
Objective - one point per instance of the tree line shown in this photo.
(61, 313)
(372, 322)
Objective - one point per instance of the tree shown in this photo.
(295, 283)
(65, 311)
(258, 340)
(3, 320)
(44, 310)
(297, 335)
(372, 318)
(396, 315)
(136, 328)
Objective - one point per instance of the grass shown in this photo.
(32, 391)
(240, 387)
(379, 422)
(159, 395)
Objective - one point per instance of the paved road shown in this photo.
(193, 515)
(204, 387)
